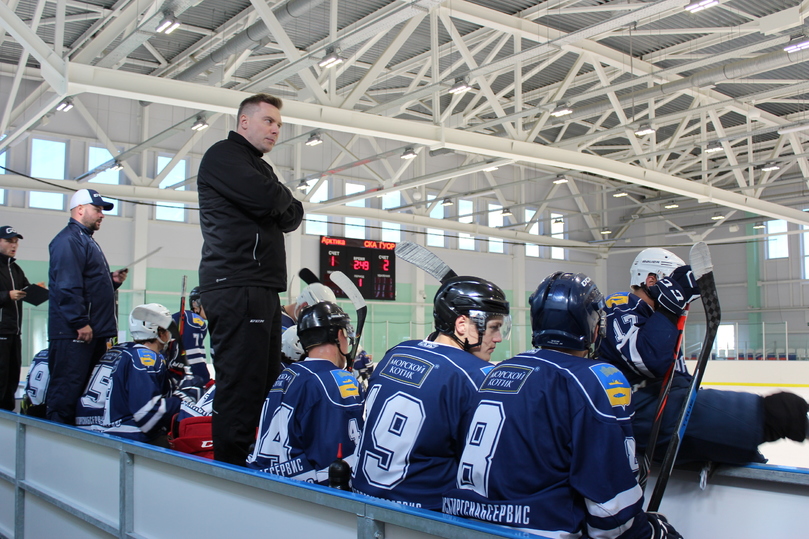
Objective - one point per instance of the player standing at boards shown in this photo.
(724, 426)
(315, 406)
(421, 392)
(550, 444)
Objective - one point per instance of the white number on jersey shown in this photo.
(274, 445)
(481, 444)
(38, 378)
(97, 389)
(629, 321)
(393, 438)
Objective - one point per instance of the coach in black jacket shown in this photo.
(12, 282)
(244, 213)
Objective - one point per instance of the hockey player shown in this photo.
(129, 393)
(550, 444)
(724, 426)
(422, 392)
(36, 386)
(291, 350)
(314, 293)
(315, 405)
(195, 328)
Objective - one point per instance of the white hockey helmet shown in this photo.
(290, 344)
(145, 320)
(314, 293)
(653, 260)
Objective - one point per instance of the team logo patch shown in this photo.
(406, 369)
(197, 320)
(614, 384)
(283, 381)
(617, 299)
(346, 383)
(428, 344)
(506, 379)
(147, 357)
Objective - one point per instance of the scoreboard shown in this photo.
(370, 264)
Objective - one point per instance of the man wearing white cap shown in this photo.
(81, 311)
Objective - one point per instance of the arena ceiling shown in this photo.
(722, 103)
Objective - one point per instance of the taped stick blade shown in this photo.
(424, 259)
(700, 259)
(346, 285)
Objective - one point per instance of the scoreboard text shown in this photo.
(369, 264)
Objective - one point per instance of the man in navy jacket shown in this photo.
(81, 310)
(244, 213)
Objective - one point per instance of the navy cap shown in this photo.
(89, 196)
(9, 232)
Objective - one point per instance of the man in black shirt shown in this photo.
(244, 213)
(12, 282)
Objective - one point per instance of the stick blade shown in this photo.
(424, 259)
(308, 276)
(700, 259)
(346, 285)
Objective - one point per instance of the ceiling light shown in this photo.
(507, 212)
(314, 140)
(490, 169)
(713, 147)
(606, 231)
(560, 179)
(671, 205)
(769, 167)
(117, 166)
(409, 154)
(717, 216)
(620, 194)
(793, 128)
(303, 186)
(644, 129)
(331, 59)
(168, 24)
(65, 105)
(699, 6)
(759, 225)
(447, 202)
(461, 85)
(200, 124)
(561, 110)
(797, 43)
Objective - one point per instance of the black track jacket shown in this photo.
(11, 278)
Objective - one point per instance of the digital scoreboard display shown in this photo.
(370, 264)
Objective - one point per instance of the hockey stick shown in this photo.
(703, 270)
(308, 276)
(424, 259)
(346, 285)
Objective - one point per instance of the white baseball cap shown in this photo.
(89, 196)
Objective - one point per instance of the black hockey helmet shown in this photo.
(474, 297)
(195, 298)
(321, 323)
(565, 311)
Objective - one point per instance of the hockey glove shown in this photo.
(187, 391)
(675, 292)
(661, 529)
(685, 278)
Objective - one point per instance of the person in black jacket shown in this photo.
(12, 282)
(81, 309)
(244, 213)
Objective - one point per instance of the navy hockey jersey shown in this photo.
(286, 321)
(203, 407)
(195, 328)
(311, 409)
(126, 395)
(36, 385)
(550, 448)
(418, 401)
(639, 341)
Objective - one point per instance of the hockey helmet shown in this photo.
(315, 293)
(321, 323)
(653, 260)
(474, 297)
(146, 320)
(290, 344)
(195, 298)
(565, 311)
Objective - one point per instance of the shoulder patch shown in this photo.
(197, 320)
(506, 379)
(428, 344)
(614, 383)
(283, 381)
(621, 298)
(147, 357)
(346, 383)
(407, 369)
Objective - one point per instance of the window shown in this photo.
(435, 236)
(557, 231)
(2, 171)
(391, 232)
(726, 340)
(531, 249)
(777, 246)
(170, 211)
(355, 226)
(466, 241)
(48, 158)
(495, 220)
(97, 156)
(317, 225)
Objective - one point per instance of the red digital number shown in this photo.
(359, 282)
(362, 265)
(334, 261)
(385, 265)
